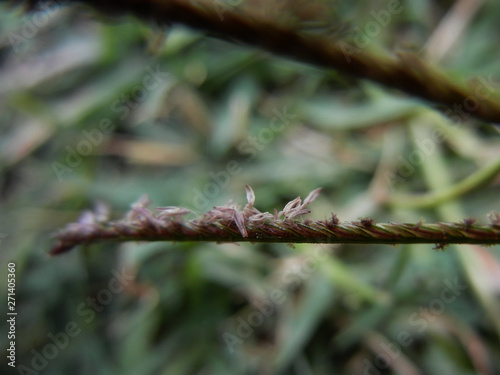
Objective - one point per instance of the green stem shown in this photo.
(474, 181)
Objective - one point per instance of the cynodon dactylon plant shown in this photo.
(293, 37)
(230, 223)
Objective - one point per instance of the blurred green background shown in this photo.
(103, 109)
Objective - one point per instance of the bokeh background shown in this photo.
(99, 108)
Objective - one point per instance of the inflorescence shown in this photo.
(229, 223)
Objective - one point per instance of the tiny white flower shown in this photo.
(296, 208)
(250, 196)
(494, 218)
(143, 201)
(240, 223)
(172, 212)
(312, 196)
(260, 218)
